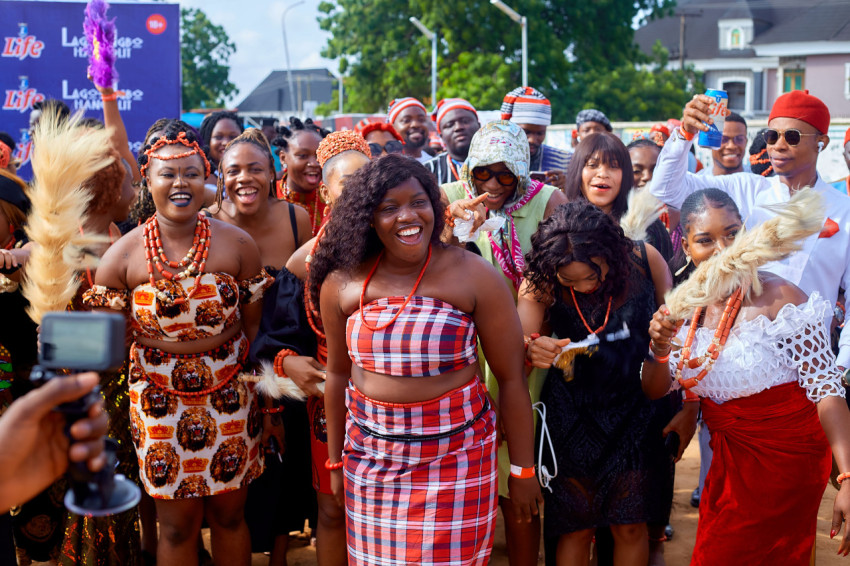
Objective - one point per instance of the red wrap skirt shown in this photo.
(420, 479)
(770, 468)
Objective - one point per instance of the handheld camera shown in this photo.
(86, 341)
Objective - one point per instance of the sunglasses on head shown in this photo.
(392, 146)
(504, 178)
(737, 140)
(792, 136)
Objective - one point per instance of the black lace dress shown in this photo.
(598, 417)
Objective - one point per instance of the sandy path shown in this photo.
(677, 552)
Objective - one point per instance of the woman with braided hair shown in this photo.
(295, 336)
(196, 428)
(217, 130)
(297, 144)
(756, 357)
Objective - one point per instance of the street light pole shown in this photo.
(523, 22)
(286, 52)
(433, 37)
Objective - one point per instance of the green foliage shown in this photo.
(628, 93)
(205, 51)
(384, 56)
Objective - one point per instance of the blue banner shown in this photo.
(44, 56)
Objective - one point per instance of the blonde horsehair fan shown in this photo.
(65, 155)
(737, 266)
(643, 210)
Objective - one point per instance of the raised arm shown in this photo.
(120, 140)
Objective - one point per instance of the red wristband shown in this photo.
(687, 135)
(111, 97)
(522, 473)
(271, 410)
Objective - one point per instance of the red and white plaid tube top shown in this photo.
(430, 337)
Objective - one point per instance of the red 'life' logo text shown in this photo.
(21, 100)
(22, 47)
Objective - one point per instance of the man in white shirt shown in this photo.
(795, 136)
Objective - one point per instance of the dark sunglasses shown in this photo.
(504, 178)
(392, 146)
(737, 140)
(792, 136)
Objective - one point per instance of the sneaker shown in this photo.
(695, 498)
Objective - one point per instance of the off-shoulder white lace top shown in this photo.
(761, 353)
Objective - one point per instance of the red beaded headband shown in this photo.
(5, 155)
(758, 160)
(181, 139)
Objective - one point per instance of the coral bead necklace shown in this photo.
(707, 360)
(194, 262)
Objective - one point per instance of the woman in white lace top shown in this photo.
(773, 402)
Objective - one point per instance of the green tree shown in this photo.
(651, 92)
(384, 56)
(205, 51)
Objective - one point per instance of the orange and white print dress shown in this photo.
(195, 426)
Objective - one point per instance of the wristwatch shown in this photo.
(845, 377)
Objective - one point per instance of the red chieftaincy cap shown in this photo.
(800, 105)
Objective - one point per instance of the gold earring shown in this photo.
(324, 193)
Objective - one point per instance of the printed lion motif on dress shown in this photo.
(192, 486)
(196, 429)
(157, 402)
(137, 428)
(191, 375)
(174, 291)
(209, 313)
(229, 460)
(229, 295)
(230, 398)
(162, 464)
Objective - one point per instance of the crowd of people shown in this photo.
(396, 346)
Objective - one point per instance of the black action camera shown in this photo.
(86, 341)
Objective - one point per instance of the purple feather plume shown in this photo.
(100, 37)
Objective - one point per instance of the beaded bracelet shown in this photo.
(278, 361)
(271, 410)
(450, 219)
(333, 466)
(842, 477)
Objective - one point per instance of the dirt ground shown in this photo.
(684, 520)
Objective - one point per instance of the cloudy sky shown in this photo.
(256, 31)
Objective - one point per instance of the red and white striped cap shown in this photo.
(527, 105)
(446, 105)
(399, 104)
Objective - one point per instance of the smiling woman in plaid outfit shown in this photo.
(418, 466)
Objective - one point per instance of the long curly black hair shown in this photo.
(285, 133)
(349, 237)
(578, 231)
(612, 152)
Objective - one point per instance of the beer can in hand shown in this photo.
(718, 112)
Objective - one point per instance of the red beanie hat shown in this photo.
(800, 105)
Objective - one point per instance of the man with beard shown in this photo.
(456, 121)
(530, 110)
(729, 157)
(410, 119)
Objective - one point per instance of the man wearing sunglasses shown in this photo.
(794, 137)
(457, 121)
(729, 157)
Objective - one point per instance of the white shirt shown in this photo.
(761, 353)
(823, 264)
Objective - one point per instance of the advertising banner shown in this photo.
(43, 55)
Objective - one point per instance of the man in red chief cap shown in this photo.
(796, 134)
(457, 121)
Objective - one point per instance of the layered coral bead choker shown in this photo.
(194, 261)
(707, 360)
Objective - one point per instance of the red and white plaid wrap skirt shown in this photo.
(420, 479)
